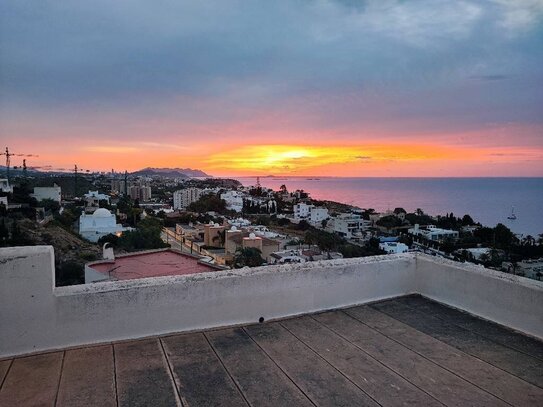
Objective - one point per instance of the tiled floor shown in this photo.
(406, 351)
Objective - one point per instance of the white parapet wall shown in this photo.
(510, 300)
(35, 316)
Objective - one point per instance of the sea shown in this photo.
(487, 200)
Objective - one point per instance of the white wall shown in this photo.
(510, 300)
(34, 316)
(41, 193)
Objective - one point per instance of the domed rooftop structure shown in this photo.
(101, 213)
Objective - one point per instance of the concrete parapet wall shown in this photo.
(34, 316)
(510, 300)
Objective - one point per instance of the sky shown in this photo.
(299, 87)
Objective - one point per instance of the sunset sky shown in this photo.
(298, 87)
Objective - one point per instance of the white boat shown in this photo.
(512, 216)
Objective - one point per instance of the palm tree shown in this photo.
(220, 237)
(248, 256)
(529, 240)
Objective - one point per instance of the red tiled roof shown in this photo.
(154, 264)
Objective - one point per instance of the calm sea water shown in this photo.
(487, 200)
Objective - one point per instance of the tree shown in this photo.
(50, 205)
(146, 236)
(263, 220)
(283, 221)
(467, 220)
(503, 236)
(4, 233)
(208, 203)
(220, 238)
(303, 225)
(389, 222)
(248, 257)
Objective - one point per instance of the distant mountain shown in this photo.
(170, 172)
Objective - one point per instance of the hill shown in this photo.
(170, 172)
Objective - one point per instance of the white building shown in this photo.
(393, 247)
(433, 233)
(140, 192)
(239, 222)
(41, 193)
(531, 268)
(4, 186)
(478, 252)
(101, 223)
(301, 210)
(315, 215)
(347, 225)
(184, 197)
(234, 200)
(93, 198)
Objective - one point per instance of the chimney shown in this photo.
(107, 252)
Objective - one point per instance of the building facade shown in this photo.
(101, 223)
(41, 193)
(184, 197)
(234, 200)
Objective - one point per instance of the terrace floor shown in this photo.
(405, 351)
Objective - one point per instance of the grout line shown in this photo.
(171, 374)
(388, 368)
(426, 358)
(377, 360)
(432, 314)
(60, 377)
(7, 372)
(455, 347)
(330, 364)
(224, 367)
(279, 367)
(115, 375)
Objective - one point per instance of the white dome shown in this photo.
(101, 213)
(252, 236)
(233, 229)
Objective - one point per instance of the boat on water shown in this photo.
(512, 216)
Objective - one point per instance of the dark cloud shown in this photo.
(491, 77)
(336, 63)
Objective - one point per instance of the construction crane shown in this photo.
(8, 159)
(76, 171)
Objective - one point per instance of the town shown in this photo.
(172, 221)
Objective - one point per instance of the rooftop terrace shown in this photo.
(405, 351)
(195, 339)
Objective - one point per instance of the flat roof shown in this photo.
(404, 351)
(151, 264)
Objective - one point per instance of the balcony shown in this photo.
(340, 332)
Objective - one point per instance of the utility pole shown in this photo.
(125, 183)
(75, 180)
